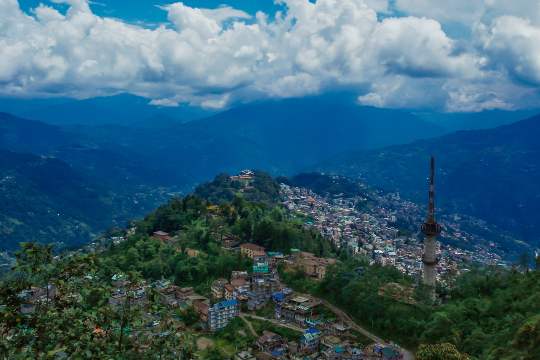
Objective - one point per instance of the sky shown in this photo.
(453, 56)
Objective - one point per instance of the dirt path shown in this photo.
(249, 325)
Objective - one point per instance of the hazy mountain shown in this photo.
(47, 200)
(123, 109)
(491, 174)
(107, 164)
(282, 136)
(475, 121)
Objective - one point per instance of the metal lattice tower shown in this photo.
(431, 230)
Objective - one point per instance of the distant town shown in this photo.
(374, 232)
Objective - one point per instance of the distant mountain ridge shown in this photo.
(121, 109)
(282, 137)
(491, 174)
(45, 199)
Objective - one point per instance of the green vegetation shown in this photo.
(490, 314)
(223, 189)
(260, 326)
(199, 224)
(327, 184)
(78, 321)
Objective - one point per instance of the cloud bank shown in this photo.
(218, 57)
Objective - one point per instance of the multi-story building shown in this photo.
(220, 314)
(218, 288)
(252, 250)
(313, 266)
(310, 340)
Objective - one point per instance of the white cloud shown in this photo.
(470, 11)
(513, 44)
(215, 57)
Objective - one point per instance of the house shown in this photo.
(30, 298)
(313, 266)
(218, 288)
(261, 268)
(161, 235)
(185, 292)
(240, 284)
(230, 241)
(118, 298)
(201, 308)
(275, 257)
(310, 340)
(252, 250)
(299, 309)
(272, 344)
(169, 295)
(245, 177)
(342, 352)
(229, 292)
(239, 275)
(220, 314)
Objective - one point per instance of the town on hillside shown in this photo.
(273, 320)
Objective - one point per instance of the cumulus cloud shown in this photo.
(513, 44)
(216, 57)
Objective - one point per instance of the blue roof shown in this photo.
(226, 303)
(278, 296)
(311, 330)
(277, 352)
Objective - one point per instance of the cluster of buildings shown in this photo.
(36, 296)
(375, 231)
(315, 344)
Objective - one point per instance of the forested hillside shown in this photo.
(46, 200)
(488, 314)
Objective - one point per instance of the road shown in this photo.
(407, 355)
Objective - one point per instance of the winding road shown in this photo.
(407, 355)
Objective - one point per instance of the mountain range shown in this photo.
(124, 168)
(492, 174)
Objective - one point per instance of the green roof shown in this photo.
(260, 268)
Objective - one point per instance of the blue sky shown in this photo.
(454, 56)
(147, 10)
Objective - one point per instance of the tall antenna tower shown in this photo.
(431, 230)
